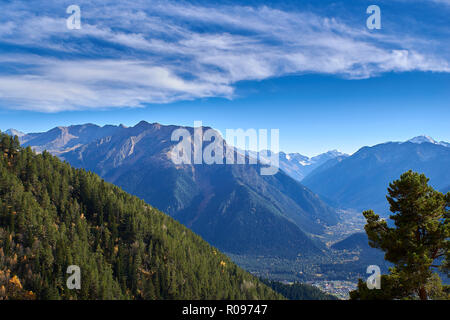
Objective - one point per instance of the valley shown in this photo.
(272, 226)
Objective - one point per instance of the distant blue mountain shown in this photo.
(14, 132)
(361, 180)
(356, 241)
(298, 166)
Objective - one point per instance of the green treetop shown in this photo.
(417, 243)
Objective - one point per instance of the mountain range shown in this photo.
(233, 207)
(299, 166)
(428, 139)
(53, 216)
(360, 181)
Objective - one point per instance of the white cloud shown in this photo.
(67, 85)
(131, 53)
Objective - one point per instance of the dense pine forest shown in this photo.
(53, 216)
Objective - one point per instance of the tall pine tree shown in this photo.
(416, 244)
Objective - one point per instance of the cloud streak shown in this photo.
(129, 54)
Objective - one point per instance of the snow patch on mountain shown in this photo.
(14, 132)
(428, 139)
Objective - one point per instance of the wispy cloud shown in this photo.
(129, 53)
(54, 85)
(447, 2)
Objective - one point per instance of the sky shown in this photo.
(311, 69)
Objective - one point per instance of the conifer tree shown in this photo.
(417, 243)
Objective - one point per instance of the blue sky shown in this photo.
(309, 68)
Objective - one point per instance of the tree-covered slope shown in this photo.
(233, 207)
(53, 216)
(355, 241)
(359, 243)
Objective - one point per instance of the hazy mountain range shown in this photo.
(360, 181)
(62, 139)
(299, 166)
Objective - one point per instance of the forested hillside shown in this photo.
(232, 207)
(53, 216)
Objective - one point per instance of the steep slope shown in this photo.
(53, 216)
(360, 181)
(326, 165)
(294, 164)
(231, 206)
(63, 139)
(356, 241)
(358, 255)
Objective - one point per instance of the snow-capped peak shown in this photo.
(422, 139)
(14, 132)
(304, 163)
(428, 139)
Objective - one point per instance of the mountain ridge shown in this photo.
(298, 166)
(360, 181)
(53, 216)
(231, 206)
